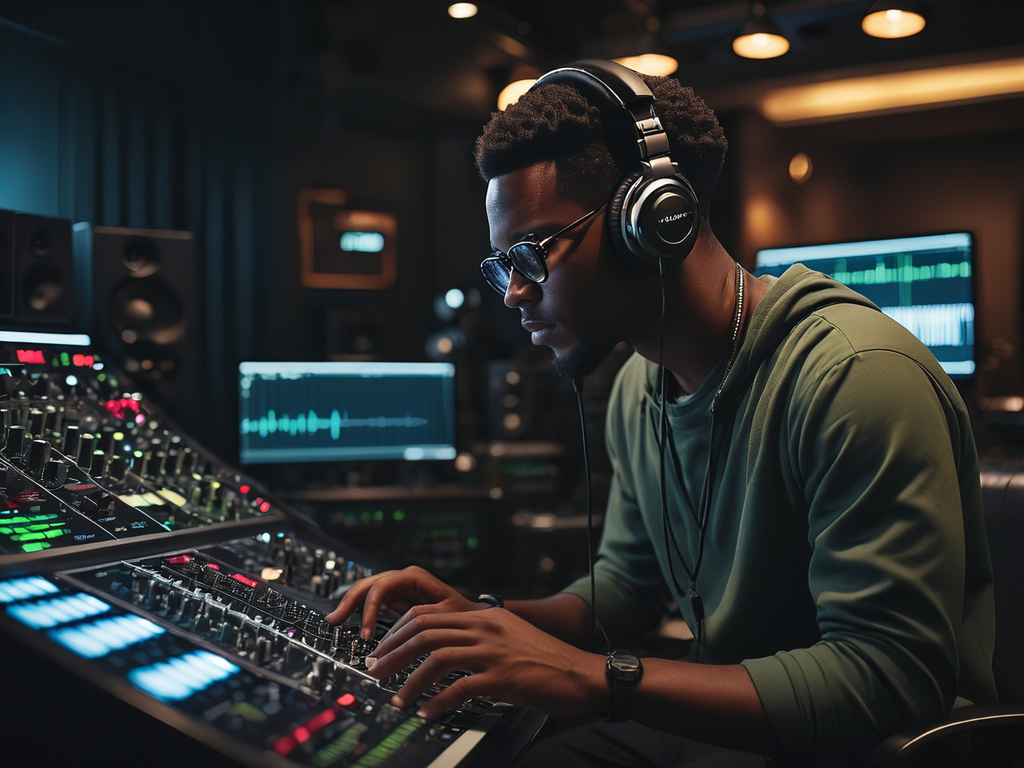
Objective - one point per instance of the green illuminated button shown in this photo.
(35, 547)
(28, 536)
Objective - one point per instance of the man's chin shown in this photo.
(581, 360)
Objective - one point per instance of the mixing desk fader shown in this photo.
(134, 560)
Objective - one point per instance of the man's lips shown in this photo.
(537, 329)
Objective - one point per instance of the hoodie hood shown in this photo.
(796, 294)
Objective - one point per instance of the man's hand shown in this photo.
(409, 588)
(510, 659)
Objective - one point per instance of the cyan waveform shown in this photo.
(309, 423)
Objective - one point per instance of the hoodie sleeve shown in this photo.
(874, 443)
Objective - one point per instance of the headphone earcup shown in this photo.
(653, 220)
(614, 218)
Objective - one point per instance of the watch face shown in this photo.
(624, 666)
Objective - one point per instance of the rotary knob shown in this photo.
(15, 441)
(38, 455)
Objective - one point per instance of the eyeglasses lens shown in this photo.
(529, 260)
(496, 274)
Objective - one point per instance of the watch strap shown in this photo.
(624, 672)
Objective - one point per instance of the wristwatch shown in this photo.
(624, 672)
(494, 600)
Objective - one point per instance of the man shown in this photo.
(802, 480)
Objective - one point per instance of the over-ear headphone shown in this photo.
(653, 214)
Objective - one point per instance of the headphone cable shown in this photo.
(577, 384)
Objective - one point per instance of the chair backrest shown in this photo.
(1002, 488)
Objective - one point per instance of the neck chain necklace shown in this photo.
(696, 604)
(737, 323)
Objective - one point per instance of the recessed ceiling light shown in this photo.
(510, 93)
(760, 38)
(462, 10)
(892, 18)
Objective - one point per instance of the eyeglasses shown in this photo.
(527, 257)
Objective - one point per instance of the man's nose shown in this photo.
(520, 289)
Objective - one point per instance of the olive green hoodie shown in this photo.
(844, 555)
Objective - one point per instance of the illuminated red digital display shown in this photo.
(241, 578)
(31, 356)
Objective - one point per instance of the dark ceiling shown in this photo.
(387, 57)
(413, 52)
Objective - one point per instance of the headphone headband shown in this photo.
(653, 215)
(625, 90)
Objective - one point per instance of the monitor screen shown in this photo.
(924, 283)
(345, 411)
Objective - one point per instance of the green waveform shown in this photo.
(904, 274)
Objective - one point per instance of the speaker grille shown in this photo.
(44, 288)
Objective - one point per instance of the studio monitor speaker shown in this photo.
(146, 312)
(43, 284)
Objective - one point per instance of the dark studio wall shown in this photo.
(152, 117)
(942, 170)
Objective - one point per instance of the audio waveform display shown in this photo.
(924, 283)
(905, 272)
(309, 423)
(348, 411)
(937, 325)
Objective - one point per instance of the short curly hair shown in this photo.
(592, 151)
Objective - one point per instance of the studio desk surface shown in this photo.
(156, 605)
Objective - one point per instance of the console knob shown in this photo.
(187, 611)
(55, 473)
(118, 467)
(187, 461)
(38, 455)
(84, 456)
(36, 421)
(70, 443)
(98, 463)
(108, 439)
(262, 654)
(16, 441)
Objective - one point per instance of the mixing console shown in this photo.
(132, 557)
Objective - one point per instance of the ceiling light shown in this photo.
(892, 19)
(462, 10)
(519, 82)
(895, 91)
(656, 64)
(649, 53)
(510, 93)
(760, 38)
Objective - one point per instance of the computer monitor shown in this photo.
(345, 411)
(925, 283)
